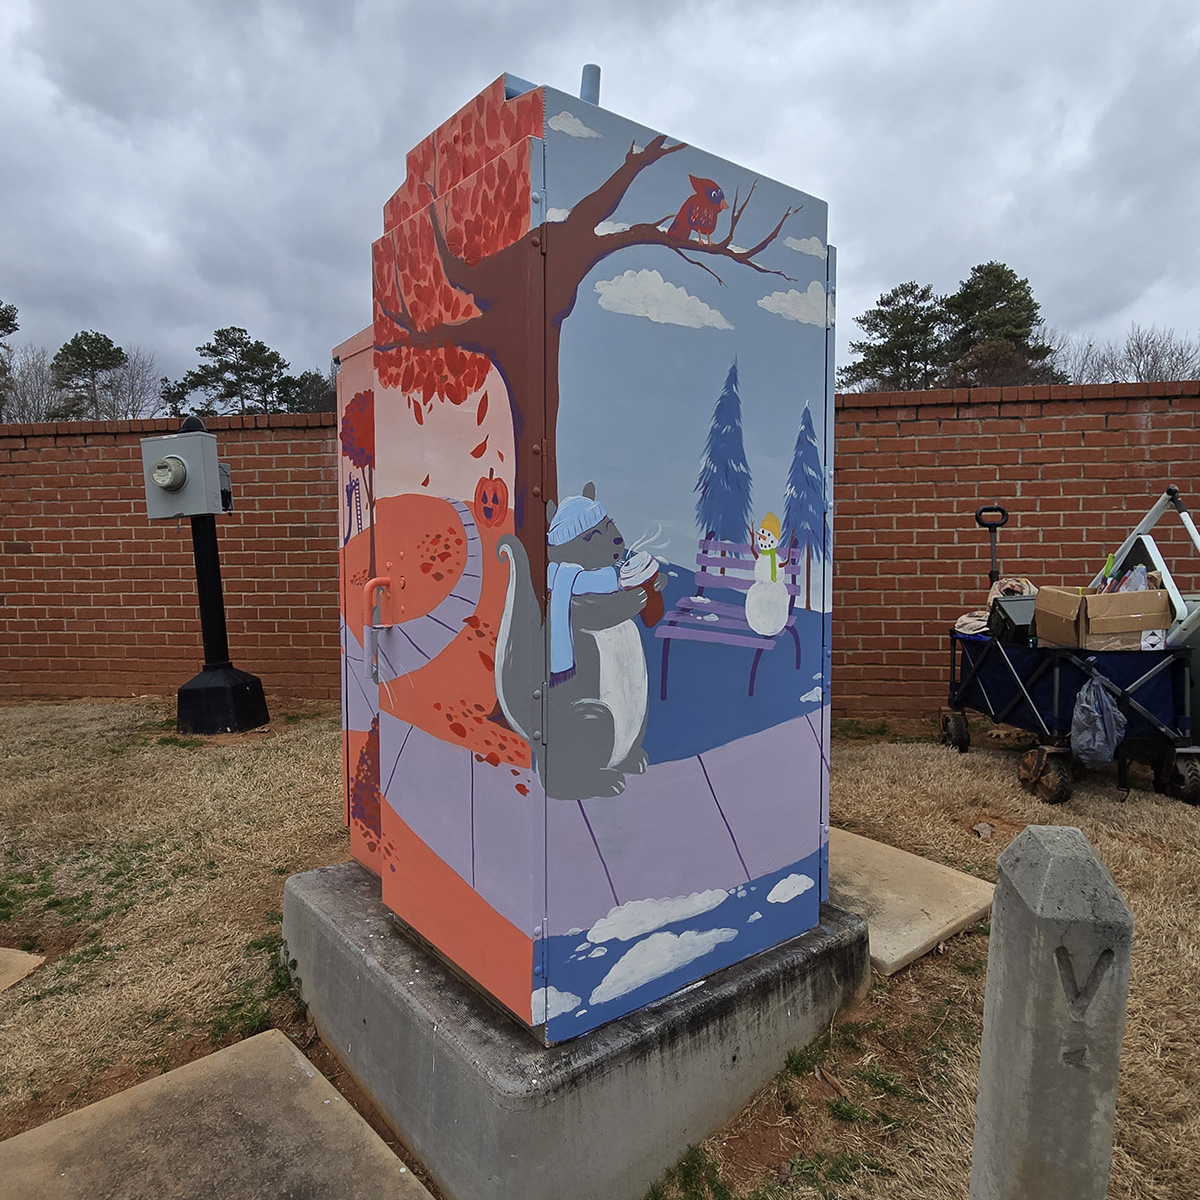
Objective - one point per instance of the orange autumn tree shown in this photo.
(465, 280)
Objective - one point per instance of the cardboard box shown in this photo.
(1119, 621)
(1058, 614)
(1127, 621)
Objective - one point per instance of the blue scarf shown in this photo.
(566, 580)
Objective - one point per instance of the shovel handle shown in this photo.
(984, 509)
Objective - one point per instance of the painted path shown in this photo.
(408, 645)
(682, 827)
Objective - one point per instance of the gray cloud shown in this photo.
(171, 167)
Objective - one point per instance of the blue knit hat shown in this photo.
(575, 515)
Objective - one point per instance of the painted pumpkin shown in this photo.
(491, 499)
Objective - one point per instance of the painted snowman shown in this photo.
(767, 599)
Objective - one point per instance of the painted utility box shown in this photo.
(586, 561)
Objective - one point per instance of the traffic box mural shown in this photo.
(586, 558)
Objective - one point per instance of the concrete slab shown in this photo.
(15, 965)
(909, 903)
(493, 1113)
(257, 1120)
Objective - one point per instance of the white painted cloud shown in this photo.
(815, 694)
(808, 306)
(789, 888)
(549, 1002)
(611, 227)
(658, 955)
(599, 952)
(647, 294)
(557, 214)
(571, 125)
(808, 245)
(631, 920)
(754, 916)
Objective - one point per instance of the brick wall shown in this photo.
(97, 601)
(1077, 468)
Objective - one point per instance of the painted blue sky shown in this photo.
(651, 339)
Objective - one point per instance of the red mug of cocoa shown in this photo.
(640, 569)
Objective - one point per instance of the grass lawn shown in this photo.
(149, 869)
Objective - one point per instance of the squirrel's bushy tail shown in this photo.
(520, 645)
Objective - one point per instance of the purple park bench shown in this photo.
(699, 618)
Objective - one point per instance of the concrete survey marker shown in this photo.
(1053, 1018)
(15, 965)
(257, 1120)
(490, 1111)
(909, 903)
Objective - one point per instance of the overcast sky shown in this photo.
(167, 168)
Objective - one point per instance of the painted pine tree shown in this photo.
(723, 505)
(804, 502)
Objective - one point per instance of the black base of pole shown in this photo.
(221, 700)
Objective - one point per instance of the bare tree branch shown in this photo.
(603, 202)
(651, 235)
(694, 263)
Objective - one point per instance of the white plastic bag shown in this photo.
(1097, 726)
(1136, 581)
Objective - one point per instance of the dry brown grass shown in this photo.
(918, 1032)
(145, 868)
(150, 869)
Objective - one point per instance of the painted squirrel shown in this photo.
(590, 707)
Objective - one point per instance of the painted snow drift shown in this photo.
(586, 558)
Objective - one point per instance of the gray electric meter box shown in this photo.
(182, 475)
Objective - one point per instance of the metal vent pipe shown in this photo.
(589, 87)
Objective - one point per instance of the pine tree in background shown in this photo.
(994, 334)
(804, 502)
(238, 374)
(85, 369)
(905, 347)
(8, 326)
(724, 486)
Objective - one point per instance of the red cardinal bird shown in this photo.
(699, 212)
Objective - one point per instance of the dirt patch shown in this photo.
(907, 1058)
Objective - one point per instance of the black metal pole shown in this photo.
(221, 698)
(208, 588)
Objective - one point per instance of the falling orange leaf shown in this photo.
(481, 412)
(425, 481)
(478, 451)
(500, 455)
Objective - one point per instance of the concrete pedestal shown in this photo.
(493, 1113)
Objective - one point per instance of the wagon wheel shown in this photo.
(956, 732)
(1185, 780)
(1046, 775)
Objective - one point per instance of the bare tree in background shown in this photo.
(135, 391)
(32, 393)
(1151, 355)
(1147, 355)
